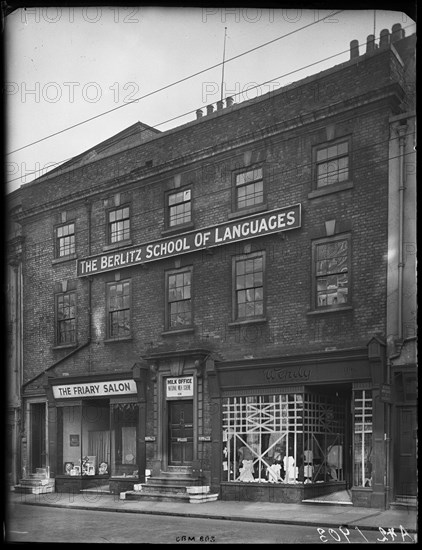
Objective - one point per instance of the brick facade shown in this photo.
(279, 131)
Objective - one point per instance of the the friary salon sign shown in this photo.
(281, 219)
(116, 387)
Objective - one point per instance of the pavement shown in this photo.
(319, 515)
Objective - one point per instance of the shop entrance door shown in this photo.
(406, 471)
(180, 433)
(38, 451)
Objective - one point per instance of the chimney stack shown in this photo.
(354, 49)
(384, 38)
(210, 109)
(397, 33)
(229, 101)
(199, 113)
(370, 44)
(219, 105)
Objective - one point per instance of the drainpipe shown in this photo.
(88, 211)
(401, 131)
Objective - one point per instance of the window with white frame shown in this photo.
(119, 225)
(179, 298)
(118, 309)
(179, 208)
(66, 318)
(248, 284)
(65, 240)
(332, 272)
(249, 188)
(332, 163)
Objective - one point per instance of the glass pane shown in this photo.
(343, 148)
(249, 266)
(124, 422)
(240, 267)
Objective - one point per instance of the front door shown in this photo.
(38, 453)
(406, 471)
(180, 432)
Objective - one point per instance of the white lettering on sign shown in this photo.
(249, 227)
(117, 387)
(179, 387)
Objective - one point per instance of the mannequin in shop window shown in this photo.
(250, 452)
(368, 470)
(335, 462)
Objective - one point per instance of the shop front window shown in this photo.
(124, 421)
(362, 438)
(287, 438)
(84, 439)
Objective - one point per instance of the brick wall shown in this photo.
(287, 161)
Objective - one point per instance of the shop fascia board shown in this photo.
(308, 358)
(83, 378)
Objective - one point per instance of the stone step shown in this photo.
(163, 488)
(399, 505)
(176, 481)
(176, 475)
(157, 497)
(179, 469)
(34, 482)
(35, 490)
(169, 497)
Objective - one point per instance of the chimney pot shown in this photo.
(370, 44)
(199, 113)
(354, 49)
(384, 38)
(397, 33)
(229, 101)
(210, 109)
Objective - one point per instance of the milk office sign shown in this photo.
(179, 387)
(274, 221)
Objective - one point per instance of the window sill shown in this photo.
(117, 340)
(335, 188)
(178, 331)
(65, 346)
(247, 211)
(116, 246)
(329, 310)
(248, 321)
(178, 229)
(64, 259)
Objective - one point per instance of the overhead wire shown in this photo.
(173, 83)
(61, 162)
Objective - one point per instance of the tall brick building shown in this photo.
(228, 303)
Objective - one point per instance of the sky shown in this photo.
(67, 65)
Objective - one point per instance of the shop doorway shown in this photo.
(406, 471)
(180, 432)
(38, 449)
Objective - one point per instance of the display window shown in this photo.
(286, 438)
(98, 438)
(362, 438)
(124, 435)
